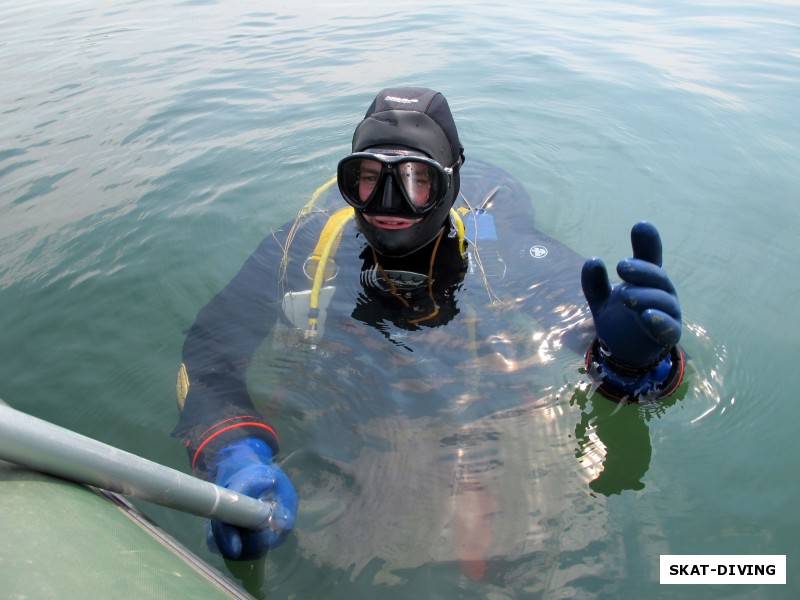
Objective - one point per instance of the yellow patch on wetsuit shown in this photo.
(182, 386)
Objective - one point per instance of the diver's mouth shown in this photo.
(385, 222)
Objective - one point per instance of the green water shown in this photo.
(148, 147)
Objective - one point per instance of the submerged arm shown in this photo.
(216, 353)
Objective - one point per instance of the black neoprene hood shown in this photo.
(418, 118)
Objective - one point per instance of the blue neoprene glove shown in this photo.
(638, 321)
(246, 466)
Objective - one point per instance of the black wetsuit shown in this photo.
(420, 333)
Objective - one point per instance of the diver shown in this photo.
(410, 241)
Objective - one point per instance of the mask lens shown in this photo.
(369, 175)
(419, 182)
(358, 179)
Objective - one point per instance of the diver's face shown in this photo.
(415, 178)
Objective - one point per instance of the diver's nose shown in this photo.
(392, 197)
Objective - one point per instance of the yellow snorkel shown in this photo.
(326, 247)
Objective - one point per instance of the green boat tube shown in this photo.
(70, 541)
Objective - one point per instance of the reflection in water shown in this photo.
(709, 384)
(480, 497)
(614, 440)
(395, 478)
(399, 484)
(480, 458)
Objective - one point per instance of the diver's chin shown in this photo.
(390, 223)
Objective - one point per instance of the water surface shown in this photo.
(148, 147)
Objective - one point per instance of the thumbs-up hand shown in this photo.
(637, 321)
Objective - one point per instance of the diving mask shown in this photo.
(422, 182)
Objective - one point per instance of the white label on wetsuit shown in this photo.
(538, 251)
